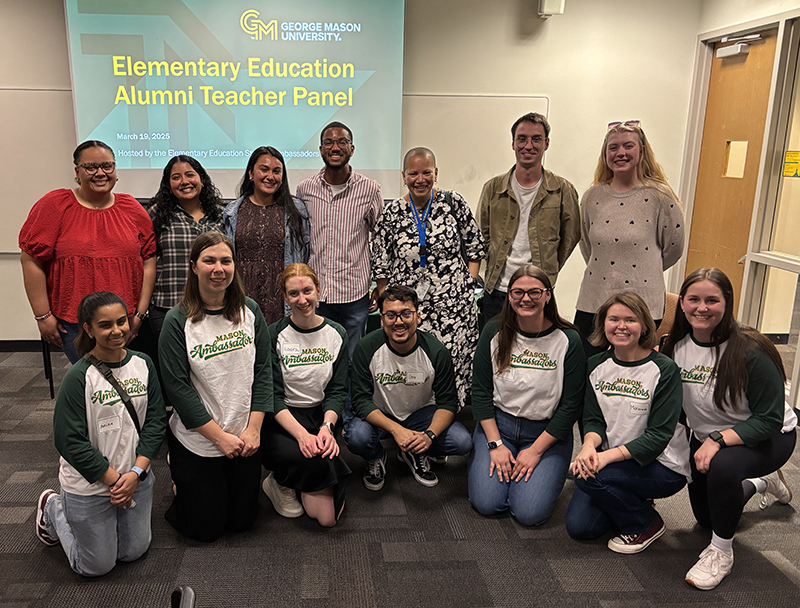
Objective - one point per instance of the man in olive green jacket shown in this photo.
(528, 215)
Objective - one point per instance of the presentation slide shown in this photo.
(216, 79)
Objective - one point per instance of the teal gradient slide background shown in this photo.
(183, 116)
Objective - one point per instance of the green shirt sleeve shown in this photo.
(175, 372)
(593, 419)
(572, 391)
(155, 422)
(665, 410)
(336, 390)
(261, 396)
(361, 384)
(70, 429)
(483, 374)
(444, 380)
(766, 397)
(279, 390)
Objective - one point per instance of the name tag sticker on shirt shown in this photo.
(422, 288)
(508, 373)
(290, 349)
(106, 425)
(415, 378)
(638, 408)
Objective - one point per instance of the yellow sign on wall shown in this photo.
(791, 165)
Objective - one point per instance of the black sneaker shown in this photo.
(375, 474)
(420, 466)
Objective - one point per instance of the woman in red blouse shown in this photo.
(84, 240)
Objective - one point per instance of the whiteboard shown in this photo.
(469, 134)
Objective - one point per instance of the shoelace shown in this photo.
(287, 492)
(421, 462)
(375, 467)
(709, 560)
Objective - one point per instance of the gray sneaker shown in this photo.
(283, 499)
(777, 486)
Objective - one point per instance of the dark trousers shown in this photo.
(717, 496)
(214, 495)
(492, 304)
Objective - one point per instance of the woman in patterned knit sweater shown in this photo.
(632, 227)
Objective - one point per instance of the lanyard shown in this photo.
(420, 222)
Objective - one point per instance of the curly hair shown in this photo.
(164, 205)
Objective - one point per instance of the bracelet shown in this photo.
(115, 483)
(139, 315)
(623, 454)
(46, 315)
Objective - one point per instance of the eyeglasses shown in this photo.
(627, 123)
(533, 294)
(343, 142)
(522, 140)
(91, 168)
(391, 316)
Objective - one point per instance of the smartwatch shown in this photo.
(431, 434)
(140, 472)
(494, 444)
(717, 436)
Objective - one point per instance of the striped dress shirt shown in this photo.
(341, 225)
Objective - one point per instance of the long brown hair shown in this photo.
(730, 369)
(649, 171)
(509, 325)
(192, 303)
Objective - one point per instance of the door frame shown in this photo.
(757, 259)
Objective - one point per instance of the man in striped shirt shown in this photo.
(343, 207)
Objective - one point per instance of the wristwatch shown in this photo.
(431, 434)
(494, 444)
(139, 315)
(140, 472)
(329, 425)
(717, 436)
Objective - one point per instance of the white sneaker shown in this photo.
(284, 500)
(777, 486)
(713, 566)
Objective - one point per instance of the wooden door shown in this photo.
(736, 111)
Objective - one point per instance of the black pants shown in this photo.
(214, 495)
(492, 304)
(717, 497)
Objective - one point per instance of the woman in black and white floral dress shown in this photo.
(428, 240)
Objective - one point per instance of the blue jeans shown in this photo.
(364, 439)
(95, 534)
(530, 502)
(352, 316)
(617, 499)
(68, 339)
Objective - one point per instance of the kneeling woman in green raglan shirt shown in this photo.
(634, 448)
(102, 513)
(527, 392)
(309, 369)
(216, 362)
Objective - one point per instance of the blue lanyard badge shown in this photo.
(420, 222)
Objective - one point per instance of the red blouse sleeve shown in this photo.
(39, 233)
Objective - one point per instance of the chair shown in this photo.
(48, 366)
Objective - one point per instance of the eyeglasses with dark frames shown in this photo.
(91, 168)
(391, 316)
(533, 294)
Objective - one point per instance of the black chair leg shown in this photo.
(48, 366)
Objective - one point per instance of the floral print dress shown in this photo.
(448, 306)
